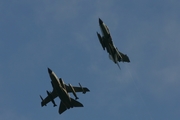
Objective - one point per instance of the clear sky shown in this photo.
(61, 35)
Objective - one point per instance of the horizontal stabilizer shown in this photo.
(62, 108)
(123, 58)
(76, 103)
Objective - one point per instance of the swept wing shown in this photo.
(77, 89)
(49, 98)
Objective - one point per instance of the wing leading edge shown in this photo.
(77, 89)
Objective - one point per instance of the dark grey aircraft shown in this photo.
(107, 43)
(61, 90)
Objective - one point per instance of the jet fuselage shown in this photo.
(62, 93)
(107, 42)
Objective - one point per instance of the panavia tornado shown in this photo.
(107, 43)
(61, 90)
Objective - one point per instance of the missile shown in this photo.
(83, 91)
(62, 83)
(73, 91)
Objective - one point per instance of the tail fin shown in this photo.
(62, 108)
(76, 103)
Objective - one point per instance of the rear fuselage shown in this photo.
(62, 93)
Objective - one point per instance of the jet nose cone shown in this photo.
(49, 71)
(100, 21)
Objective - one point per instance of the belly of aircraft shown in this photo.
(63, 95)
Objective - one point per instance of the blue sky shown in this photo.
(61, 35)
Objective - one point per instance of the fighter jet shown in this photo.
(61, 90)
(107, 43)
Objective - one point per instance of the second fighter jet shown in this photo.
(107, 43)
